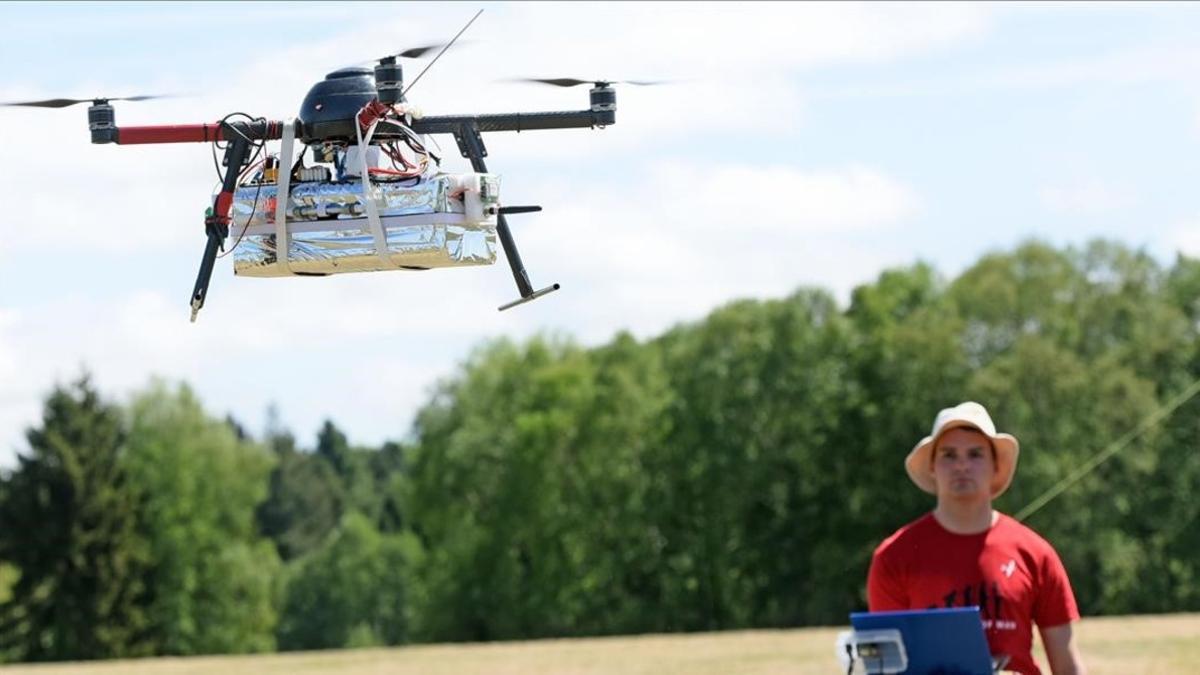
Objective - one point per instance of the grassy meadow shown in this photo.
(1116, 645)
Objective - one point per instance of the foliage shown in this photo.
(733, 472)
(212, 579)
(304, 502)
(766, 461)
(69, 527)
(351, 592)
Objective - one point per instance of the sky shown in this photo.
(799, 145)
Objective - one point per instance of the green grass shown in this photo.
(1120, 645)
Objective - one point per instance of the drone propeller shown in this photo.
(418, 52)
(64, 102)
(574, 82)
(412, 53)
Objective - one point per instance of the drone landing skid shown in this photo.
(470, 144)
(532, 296)
(519, 273)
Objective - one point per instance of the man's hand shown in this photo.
(1061, 650)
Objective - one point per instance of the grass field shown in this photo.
(1122, 645)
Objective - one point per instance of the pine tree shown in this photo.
(67, 519)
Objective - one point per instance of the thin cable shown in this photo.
(1153, 419)
(439, 55)
(216, 144)
(253, 207)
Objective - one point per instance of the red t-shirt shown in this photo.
(1012, 574)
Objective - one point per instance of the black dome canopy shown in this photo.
(329, 108)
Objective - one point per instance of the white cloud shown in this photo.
(1087, 197)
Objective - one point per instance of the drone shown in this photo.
(372, 201)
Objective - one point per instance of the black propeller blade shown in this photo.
(574, 82)
(413, 53)
(64, 102)
(418, 52)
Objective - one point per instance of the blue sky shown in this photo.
(805, 144)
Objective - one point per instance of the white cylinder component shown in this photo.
(472, 201)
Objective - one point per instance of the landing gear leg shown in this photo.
(216, 224)
(470, 142)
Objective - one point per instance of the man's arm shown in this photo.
(1062, 651)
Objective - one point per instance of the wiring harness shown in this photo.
(395, 118)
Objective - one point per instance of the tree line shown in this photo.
(733, 472)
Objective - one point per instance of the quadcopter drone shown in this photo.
(373, 200)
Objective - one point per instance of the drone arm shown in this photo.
(572, 119)
(273, 130)
(182, 133)
(193, 133)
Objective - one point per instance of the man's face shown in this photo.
(963, 464)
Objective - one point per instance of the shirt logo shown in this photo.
(1008, 568)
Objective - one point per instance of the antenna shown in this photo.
(439, 54)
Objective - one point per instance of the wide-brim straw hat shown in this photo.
(974, 416)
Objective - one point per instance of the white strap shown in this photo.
(377, 231)
(342, 226)
(283, 241)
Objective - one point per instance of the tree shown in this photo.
(486, 491)
(361, 487)
(333, 446)
(69, 514)
(351, 592)
(387, 467)
(526, 490)
(212, 581)
(759, 390)
(303, 504)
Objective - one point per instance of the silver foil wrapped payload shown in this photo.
(442, 220)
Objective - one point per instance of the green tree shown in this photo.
(485, 486)
(212, 581)
(609, 518)
(334, 447)
(387, 467)
(528, 491)
(362, 488)
(757, 475)
(70, 529)
(351, 592)
(304, 502)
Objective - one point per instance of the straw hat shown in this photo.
(973, 416)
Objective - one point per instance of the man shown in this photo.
(965, 553)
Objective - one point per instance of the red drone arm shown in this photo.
(194, 133)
